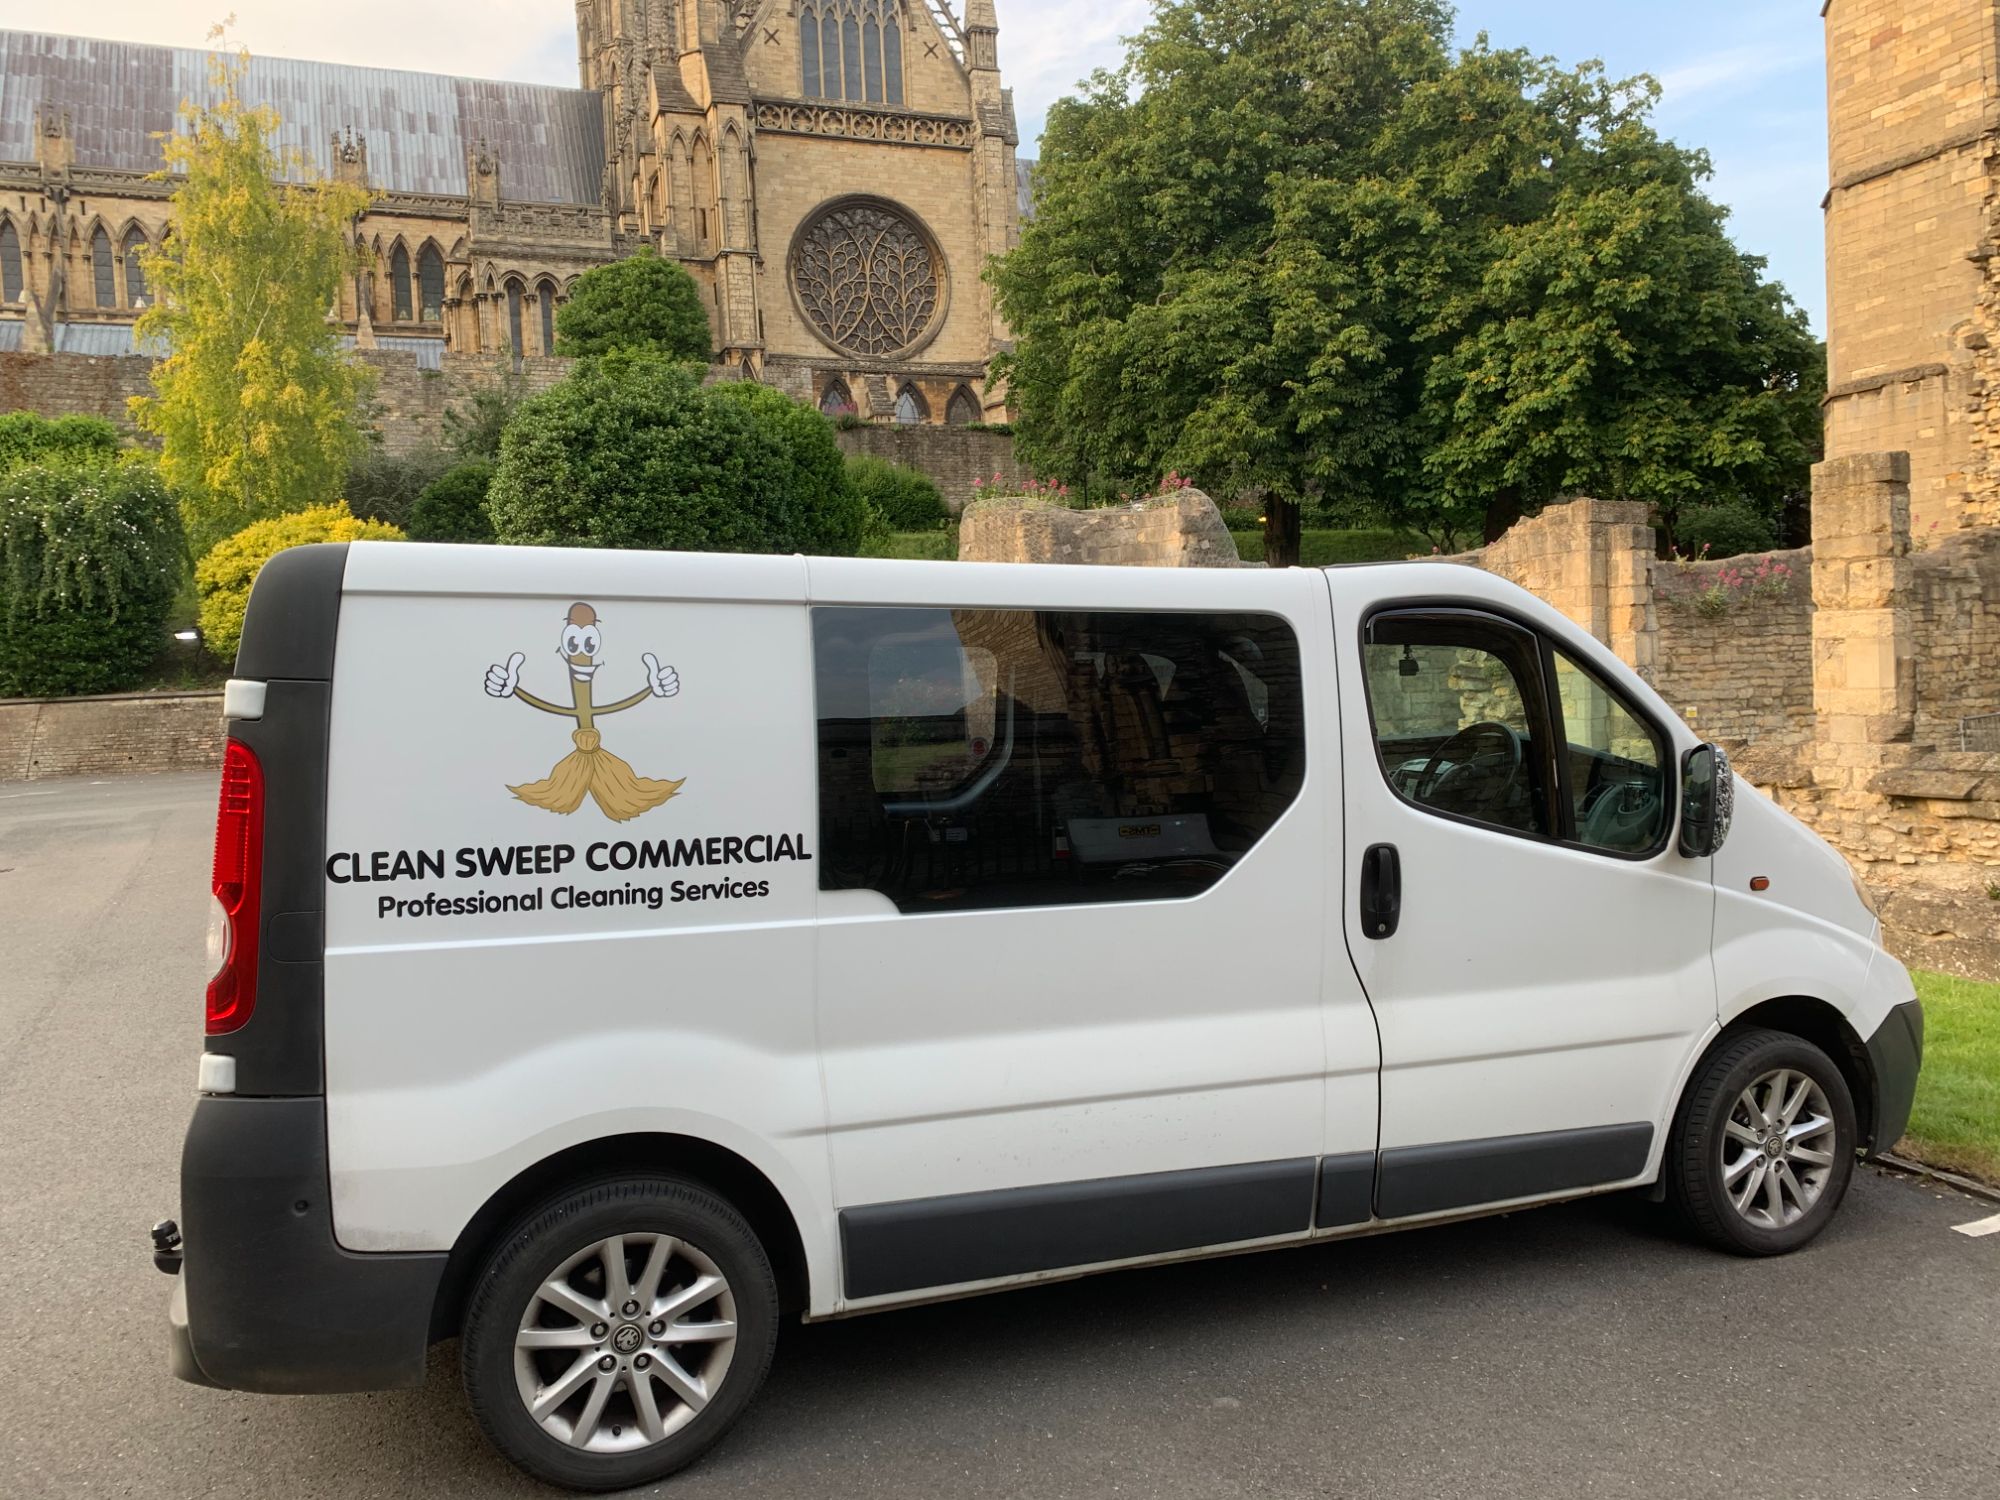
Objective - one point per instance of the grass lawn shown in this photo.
(1956, 1123)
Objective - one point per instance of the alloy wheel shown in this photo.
(1778, 1148)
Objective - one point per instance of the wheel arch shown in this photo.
(1816, 1021)
(722, 1171)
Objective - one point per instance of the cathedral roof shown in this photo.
(420, 127)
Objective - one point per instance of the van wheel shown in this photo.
(1763, 1148)
(618, 1332)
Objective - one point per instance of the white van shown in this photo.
(623, 950)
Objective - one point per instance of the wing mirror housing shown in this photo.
(1708, 800)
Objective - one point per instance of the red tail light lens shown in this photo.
(239, 887)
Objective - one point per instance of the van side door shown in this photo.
(1072, 932)
(1546, 975)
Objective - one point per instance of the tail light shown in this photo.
(238, 885)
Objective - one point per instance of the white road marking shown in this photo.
(1980, 1227)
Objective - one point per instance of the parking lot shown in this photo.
(1573, 1351)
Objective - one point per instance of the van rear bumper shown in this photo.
(266, 1299)
(1896, 1054)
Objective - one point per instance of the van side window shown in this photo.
(1616, 777)
(1456, 704)
(978, 758)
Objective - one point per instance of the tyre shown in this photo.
(618, 1332)
(1763, 1147)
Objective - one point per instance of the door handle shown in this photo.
(1381, 891)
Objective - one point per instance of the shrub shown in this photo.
(91, 557)
(385, 486)
(940, 545)
(453, 508)
(644, 303)
(1724, 530)
(475, 430)
(907, 498)
(223, 578)
(632, 451)
(26, 438)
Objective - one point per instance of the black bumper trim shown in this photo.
(1895, 1055)
(273, 1303)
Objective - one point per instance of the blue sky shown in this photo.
(1743, 80)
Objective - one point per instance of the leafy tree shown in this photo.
(633, 451)
(453, 508)
(255, 405)
(641, 302)
(906, 497)
(1299, 251)
(27, 438)
(224, 576)
(91, 558)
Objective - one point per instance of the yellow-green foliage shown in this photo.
(224, 576)
(255, 405)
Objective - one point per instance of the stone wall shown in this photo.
(1184, 531)
(1955, 617)
(1735, 646)
(40, 738)
(74, 385)
(956, 458)
(409, 402)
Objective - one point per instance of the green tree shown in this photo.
(91, 559)
(633, 451)
(255, 404)
(1298, 250)
(641, 302)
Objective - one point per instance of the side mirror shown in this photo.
(1708, 800)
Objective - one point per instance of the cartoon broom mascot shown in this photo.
(590, 768)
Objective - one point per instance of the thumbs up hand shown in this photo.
(501, 681)
(664, 681)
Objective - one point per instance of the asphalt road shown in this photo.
(1578, 1351)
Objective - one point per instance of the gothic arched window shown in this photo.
(135, 267)
(963, 409)
(103, 279)
(836, 400)
(11, 286)
(911, 408)
(514, 295)
(430, 283)
(851, 50)
(545, 294)
(399, 281)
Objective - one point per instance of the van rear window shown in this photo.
(979, 758)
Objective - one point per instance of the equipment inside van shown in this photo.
(675, 943)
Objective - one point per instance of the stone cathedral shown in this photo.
(835, 174)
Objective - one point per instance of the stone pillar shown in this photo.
(1864, 680)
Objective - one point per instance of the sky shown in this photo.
(1741, 79)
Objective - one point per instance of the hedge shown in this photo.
(223, 578)
(26, 438)
(907, 497)
(91, 558)
(453, 508)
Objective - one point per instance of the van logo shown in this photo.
(588, 770)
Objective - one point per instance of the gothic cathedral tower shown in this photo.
(1912, 225)
(835, 174)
